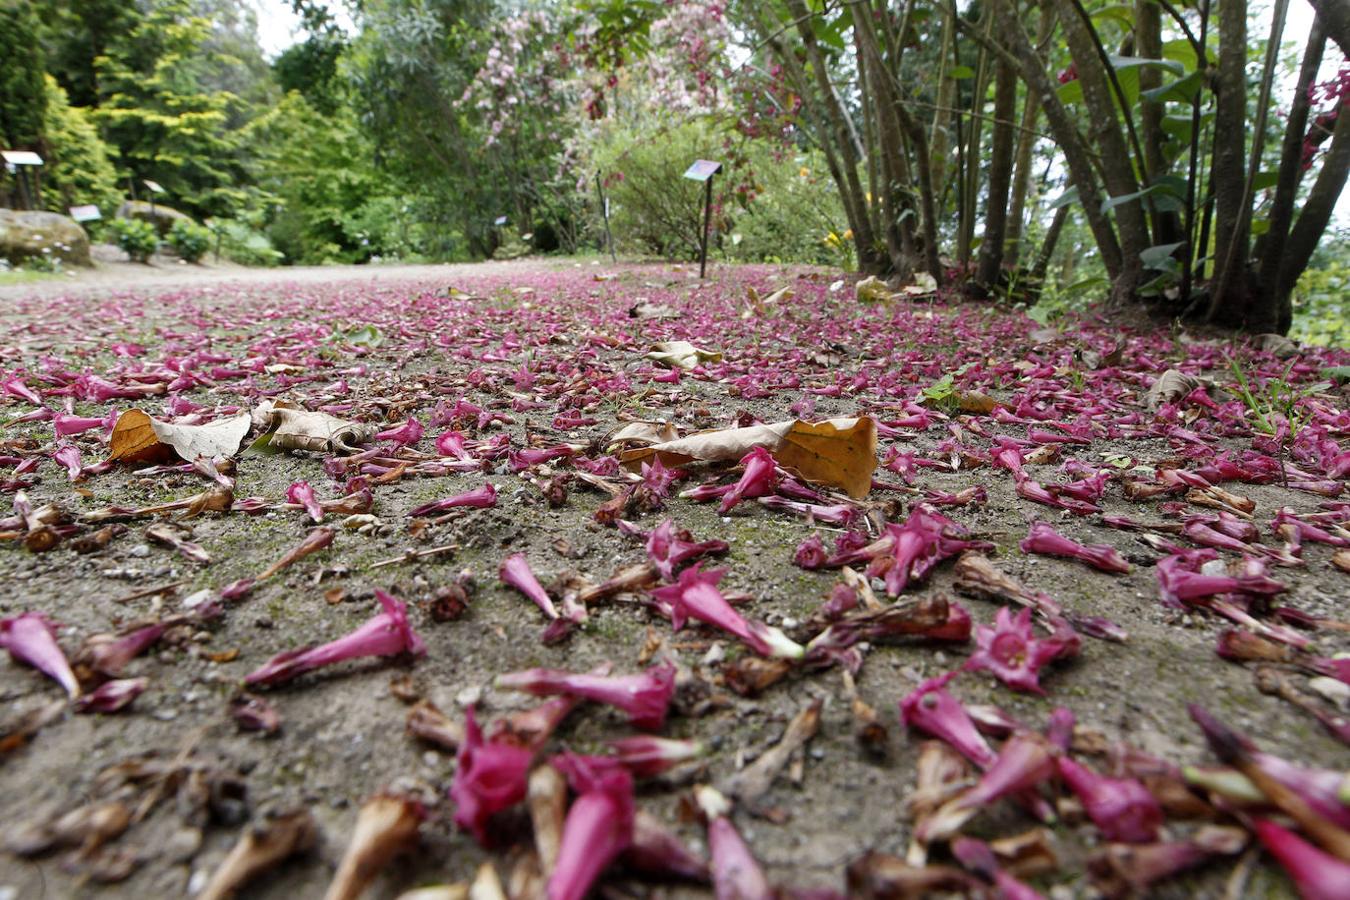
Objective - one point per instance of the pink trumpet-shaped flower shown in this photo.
(736, 874)
(1045, 540)
(657, 478)
(489, 777)
(667, 548)
(16, 388)
(68, 425)
(410, 432)
(1180, 579)
(1122, 808)
(300, 492)
(69, 456)
(659, 852)
(645, 697)
(1014, 654)
(756, 481)
(30, 639)
(645, 755)
(811, 553)
(930, 708)
(695, 596)
(1285, 522)
(1317, 874)
(110, 657)
(977, 856)
(835, 514)
(452, 444)
(520, 460)
(482, 497)
(387, 634)
(112, 696)
(598, 827)
(1025, 760)
(515, 571)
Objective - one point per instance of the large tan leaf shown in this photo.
(681, 354)
(289, 428)
(138, 438)
(840, 452)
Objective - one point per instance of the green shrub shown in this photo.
(137, 238)
(189, 240)
(241, 242)
(78, 170)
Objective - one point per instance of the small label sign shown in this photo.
(85, 213)
(21, 157)
(153, 186)
(499, 221)
(702, 170)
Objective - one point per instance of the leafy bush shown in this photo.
(241, 242)
(189, 240)
(78, 170)
(138, 239)
(1321, 308)
(795, 214)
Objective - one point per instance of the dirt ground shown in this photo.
(343, 735)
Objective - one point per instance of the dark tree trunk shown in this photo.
(1000, 177)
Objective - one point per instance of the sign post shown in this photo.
(604, 211)
(703, 170)
(18, 163)
(84, 214)
(154, 188)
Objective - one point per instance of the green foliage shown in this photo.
(794, 212)
(23, 94)
(78, 171)
(189, 240)
(242, 242)
(137, 239)
(1322, 306)
(1275, 401)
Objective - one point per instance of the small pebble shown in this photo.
(140, 551)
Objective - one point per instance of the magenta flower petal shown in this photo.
(489, 777)
(1045, 540)
(300, 492)
(482, 497)
(599, 827)
(1012, 652)
(756, 480)
(109, 657)
(1317, 874)
(515, 572)
(930, 708)
(667, 548)
(695, 596)
(736, 874)
(645, 697)
(30, 639)
(647, 755)
(1122, 808)
(410, 432)
(112, 696)
(387, 634)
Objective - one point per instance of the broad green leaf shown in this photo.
(1180, 51)
(961, 72)
(1064, 199)
(1159, 257)
(1265, 180)
(1182, 90)
(1122, 13)
(1070, 92)
(1121, 63)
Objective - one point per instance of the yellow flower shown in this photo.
(805, 172)
(848, 235)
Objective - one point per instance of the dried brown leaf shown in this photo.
(138, 438)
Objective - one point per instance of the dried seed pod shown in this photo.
(258, 849)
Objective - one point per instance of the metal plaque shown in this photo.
(21, 157)
(153, 186)
(85, 213)
(702, 170)
(499, 221)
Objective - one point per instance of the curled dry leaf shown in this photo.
(259, 848)
(840, 452)
(1171, 386)
(681, 354)
(138, 438)
(286, 427)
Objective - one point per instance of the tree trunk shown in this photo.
(1228, 179)
(1317, 209)
(1116, 163)
(940, 134)
(1000, 177)
(1148, 44)
(1335, 15)
(1026, 143)
(1270, 247)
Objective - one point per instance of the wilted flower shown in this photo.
(1024, 761)
(599, 826)
(646, 755)
(410, 432)
(112, 695)
(1317, 874)
(1180, 579)
(1012, 652)
(736, 874)
(387, 634)
(300, 492)
(30, 639)
(1044, 539)
(932, 709)
(1122, 808)
(645, 698)
(489, 777)
(482, 497)
(668, 548)
(386, 826)
(756, 481)
(695, 596)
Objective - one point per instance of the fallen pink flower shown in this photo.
(1045, 540)
(657, 851)
(695, 596)
(30, 639)
(112, 696)
(705, 492)
(657, 478)
(1026, 760)
(976, 856)
(1036, 492)
(531, 728)
(736, 874)
(667, 548)
(68, 425)
(515, 572)
(520, 460)
(451, 443)
(964, 497)
(931, 709)
(69, 456)
(836, 514)
(1180, 579)
(482, 497)
(1297, 530)
(1317, 874)
(1012, 652)
(598, 827)
(16, 388)
(1122, 808)
(489, 777)
(387, 634)
(1205, 536)
(811, 553)
(645, 697)
(301, 493)
(647, 755)
(237, 590)
(108, 655)
(410, 432)
(756, 481)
